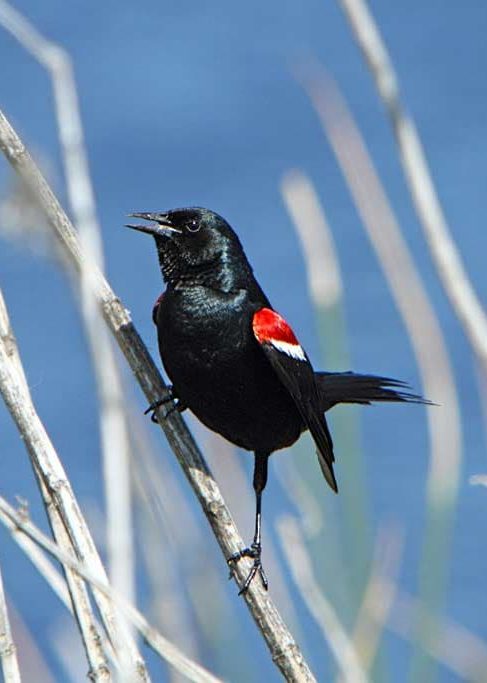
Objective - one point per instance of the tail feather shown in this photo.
(324, 448)
(350, 387)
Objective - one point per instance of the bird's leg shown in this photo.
(254, 551)
(170, 396)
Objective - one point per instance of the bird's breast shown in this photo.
(218, 370)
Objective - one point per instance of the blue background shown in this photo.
(189, 103)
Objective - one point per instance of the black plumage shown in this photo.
(233, 361)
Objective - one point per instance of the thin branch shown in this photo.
(113, 428)
(299, 563)
(9, 516)
(8, 651)
(51, 575)
(92, 636)
(283, 648)
(445, 254)
(43, 566)
(13, 386)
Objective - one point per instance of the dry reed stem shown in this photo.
(15, 391)
(8, 651)
(169, 652)
(403, 278)
(113, 428)
(444, 251)
(282, 646)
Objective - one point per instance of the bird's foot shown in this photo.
(170, 397)
(254, 552)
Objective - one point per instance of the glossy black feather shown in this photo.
(237, 364)
(352, 387)
(254, 395)
(299, 379)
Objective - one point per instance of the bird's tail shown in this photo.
(350, 387)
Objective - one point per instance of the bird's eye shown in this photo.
(194, 226)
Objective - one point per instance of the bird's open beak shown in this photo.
(161, 225)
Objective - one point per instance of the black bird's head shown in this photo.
(196, 246)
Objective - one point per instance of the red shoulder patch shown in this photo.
(270, 327)
(271, 330)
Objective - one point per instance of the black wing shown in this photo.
(294, 369)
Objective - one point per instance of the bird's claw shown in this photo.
(177, 405)
(254, 552)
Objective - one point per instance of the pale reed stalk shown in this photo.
(113, 428)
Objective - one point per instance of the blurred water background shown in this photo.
(196, 104)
